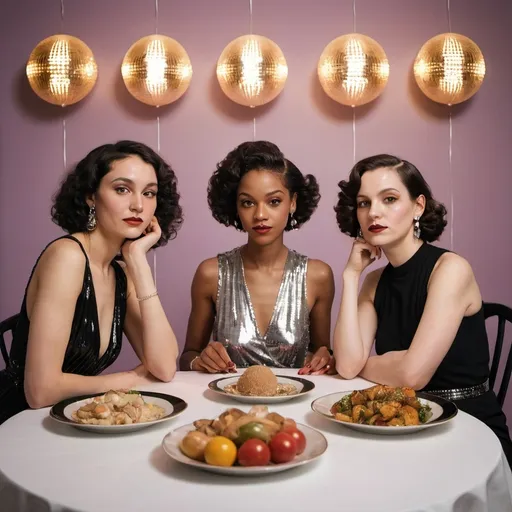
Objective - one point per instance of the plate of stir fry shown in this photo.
(385, 410)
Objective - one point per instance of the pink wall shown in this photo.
(313, 131)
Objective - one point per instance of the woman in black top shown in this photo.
(121, 198)
(424, 309)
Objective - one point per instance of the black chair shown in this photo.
(504, 314)
(6, 326)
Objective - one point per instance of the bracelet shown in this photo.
(192, 362)
(146, 297)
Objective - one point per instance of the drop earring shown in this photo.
(293, 221)
(417, 229)
(91, 220)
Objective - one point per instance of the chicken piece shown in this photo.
(371, 392)
(202, 423)
(84, 415)
(360, 414)
(276, 418)
(134, 413)
(219, 425)
(88, 407)
(260, 411)
(123, 419)
(233, 412)
(357, 398)
(413, 402)
(209, 431)
(409, 392)
(389, 410)
(374, 419)
(396, 422)
(343, 417)
(409, 415)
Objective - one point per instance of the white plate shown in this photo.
(442, 412)
(62, 412)
(303, 386)
(316, 444)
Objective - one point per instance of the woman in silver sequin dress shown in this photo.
(261, 303)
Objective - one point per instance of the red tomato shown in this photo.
(299, 437)
(254, 452)
(283, 447)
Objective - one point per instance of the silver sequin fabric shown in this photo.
(286, 342)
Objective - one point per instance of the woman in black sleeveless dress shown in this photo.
(121, 198)
(424, 309)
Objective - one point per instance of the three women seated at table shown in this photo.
(261, 303)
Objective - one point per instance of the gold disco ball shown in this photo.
(61, 70)
(449, 68)
(156, 70)
(353, 69)
(252, 70)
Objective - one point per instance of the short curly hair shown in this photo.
(70, 210)
(432, 222)
(259, 155)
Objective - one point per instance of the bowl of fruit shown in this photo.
(245, 443)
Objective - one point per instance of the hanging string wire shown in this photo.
(157, 135)
(451, 176)
(354, 135)
(450, 148)
(250, 16)
(353, 108)
(64, 134)
(156, 16)
(250, 32)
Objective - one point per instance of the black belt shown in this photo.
(460, 393)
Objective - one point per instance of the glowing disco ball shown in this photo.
(449, 68)
(252, 70)
(61, 70)
(156, 70)
(353, 69)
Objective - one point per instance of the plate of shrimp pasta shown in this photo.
(385, 410)
(117, 411)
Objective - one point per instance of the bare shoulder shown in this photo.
(64, 256)
(59, 274)
(452, 268)
(208, 270)
(319, 272)
(206, 278)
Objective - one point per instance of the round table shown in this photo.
(46, 466)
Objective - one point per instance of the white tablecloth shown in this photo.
(46, 466)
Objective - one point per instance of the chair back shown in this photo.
(504, 314)
(7, 325)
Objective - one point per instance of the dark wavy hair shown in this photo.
(259, 155)
(70, 210)
(432, 222)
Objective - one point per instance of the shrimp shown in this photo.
(102, 411)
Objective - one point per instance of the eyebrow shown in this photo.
(128, 180)
(382, 192)
(266, 195)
